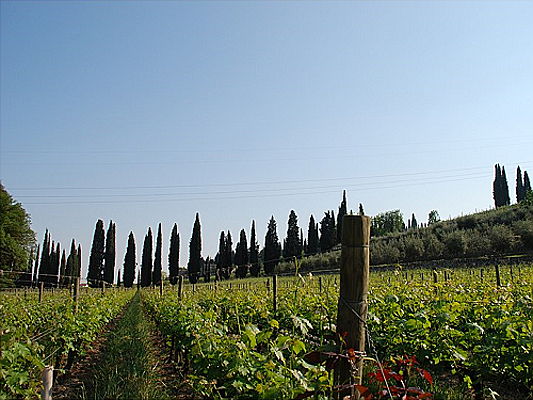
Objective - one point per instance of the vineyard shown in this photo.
(465, 329)
(462, 335)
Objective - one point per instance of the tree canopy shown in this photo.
(16, 236)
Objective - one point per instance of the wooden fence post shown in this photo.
(353, 296)
(320, 284)
(41, 290)
(76, 294)
(180, 286)
(275, 292)
(48, 379)
(161, 288)
(498, 281)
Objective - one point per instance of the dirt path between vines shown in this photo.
(130, 361)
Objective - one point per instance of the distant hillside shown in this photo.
(502, 231)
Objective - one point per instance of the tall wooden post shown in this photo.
(498, 280)
(353, 297)
(48, 379)
(275, 292)
(41, 290)
(161, 288)
(76, 294)
(320, 284)
(180, 286)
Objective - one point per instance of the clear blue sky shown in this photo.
(147, 112)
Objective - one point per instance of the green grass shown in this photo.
(127, 368)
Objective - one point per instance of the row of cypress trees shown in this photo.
(102, 258)
(500, 187)
(51, 266)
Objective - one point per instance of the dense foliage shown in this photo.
(96, 258)
(16, 236)
(238, 347)
(34, 334)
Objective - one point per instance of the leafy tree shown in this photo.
(254, 253)
(272, 249)
(146, 261)
(129, 262)
(342, 212)
(195, 252)
(519, 186)
(313, 244)
(109, 258)
(241, 256)
(96, 259)
(55, 259)
(292, 243)
(156, 276)
(174, 255)
(433, 217)
(500, 187)
(387, 223)
(16, 236)
(328, 236)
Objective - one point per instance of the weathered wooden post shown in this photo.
(320, 284)
(41, 290)
(275, 292)
(48, 379)
(481, 275)
(353, 296)
(435, 277)
(76, 294)
(498, 281)
(180, 286)
(511, 273)
(161, 288)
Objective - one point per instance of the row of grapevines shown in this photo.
(34, 334)
(238, 347)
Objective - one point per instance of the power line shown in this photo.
(251, 196)
(278, 182)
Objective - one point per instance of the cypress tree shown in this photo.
(36, 266)
(228, 255)
(313, 244)
(519, 186)
(361, 210)
(505, 189)
(72, 264)
(327, 232)
(96, 259)
(79, 265)
(146, 261)
(272, 249)
(195, 252)
(342, 212)
(54, 264)
(109, 266)
(62, 269)
(414, 222)
(156, 277)
(174, 255)
(496, 186)
(129, 262)
(44, 265)
(241, 256)
(292, 246)
(254, 253)
(527, 184)
(220, 257)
